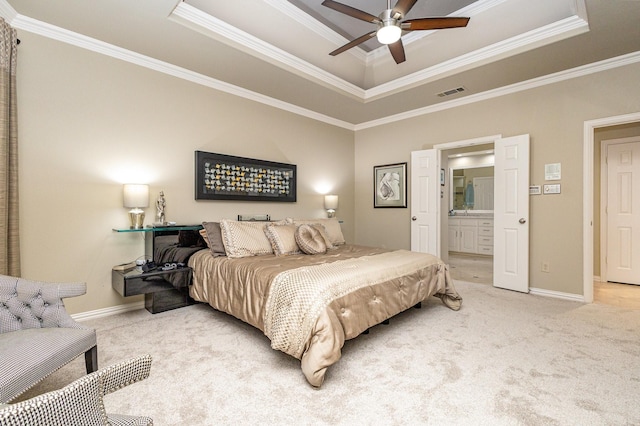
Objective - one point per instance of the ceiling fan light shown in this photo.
(389, 34)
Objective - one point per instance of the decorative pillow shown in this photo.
(325, 236)
(334, 231)
(282, 239)
(213, 237)
(309, 240)
(242, 239)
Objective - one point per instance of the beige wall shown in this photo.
(554, 116)
(89, 123)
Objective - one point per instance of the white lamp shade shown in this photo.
(136, 195)
(330, 202)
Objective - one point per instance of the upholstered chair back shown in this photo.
(28, 304)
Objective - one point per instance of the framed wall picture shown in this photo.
(390, 186)
(226, 177)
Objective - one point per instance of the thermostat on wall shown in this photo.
(552, 188)
(535, 190)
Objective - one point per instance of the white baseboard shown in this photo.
(105, 312)
(597, 279)
(557, 294)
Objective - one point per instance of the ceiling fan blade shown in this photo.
(351, 11)
(397, 51)
(353, 43)
(433, 23)
(404, 6)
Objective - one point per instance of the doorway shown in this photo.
(620, 211)
(469, 221)
(590, 220)
(510, 221)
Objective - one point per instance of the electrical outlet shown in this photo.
(545, 267)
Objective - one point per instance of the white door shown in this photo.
(623, 227)
(511, 214)
(424, 202)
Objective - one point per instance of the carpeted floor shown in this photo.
(504, 359)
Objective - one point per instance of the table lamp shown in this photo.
(136, 197)
(331, 204)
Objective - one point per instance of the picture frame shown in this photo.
(231, 178)
(390, 186)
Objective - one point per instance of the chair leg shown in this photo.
(91, 359)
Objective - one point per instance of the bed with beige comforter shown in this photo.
(308, 305)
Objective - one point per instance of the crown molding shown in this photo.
(564, 28)
(295, 13)
(596, 67)
(219, 30)
(7, 12)
(65, 36)
(60, 34)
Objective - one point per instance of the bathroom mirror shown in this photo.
(471, 189)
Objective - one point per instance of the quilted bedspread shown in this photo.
(309, 305)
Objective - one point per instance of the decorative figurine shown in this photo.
(160, 205)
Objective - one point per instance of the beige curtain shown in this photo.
(9, 226)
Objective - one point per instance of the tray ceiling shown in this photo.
(277, 51)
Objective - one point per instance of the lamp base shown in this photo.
(136, 216)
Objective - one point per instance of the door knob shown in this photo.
(522, 220)
(414, 218)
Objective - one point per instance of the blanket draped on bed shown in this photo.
(297, 296)
(309, 305)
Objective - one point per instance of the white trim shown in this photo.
(597, 279)
(607, 64)
(79, 40)
(556, 294)
(105, 312)
(217, 29)
(295, 13)
(60, 34)
(452, 145)
(468, 142)
(7, 12)
(587, 194)
(220, 30)
(571, 26)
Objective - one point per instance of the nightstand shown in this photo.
(163, 289)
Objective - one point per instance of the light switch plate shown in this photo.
(535, 190)
(552, 188)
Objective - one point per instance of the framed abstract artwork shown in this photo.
(226, 177)
(390, 186)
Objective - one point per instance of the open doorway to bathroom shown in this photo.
(468, 193)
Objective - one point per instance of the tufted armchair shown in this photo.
(81, 402)
(37, 335)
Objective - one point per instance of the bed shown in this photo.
(307, 300)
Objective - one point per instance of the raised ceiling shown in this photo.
(276, 51)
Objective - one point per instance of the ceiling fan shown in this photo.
(390, 25)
